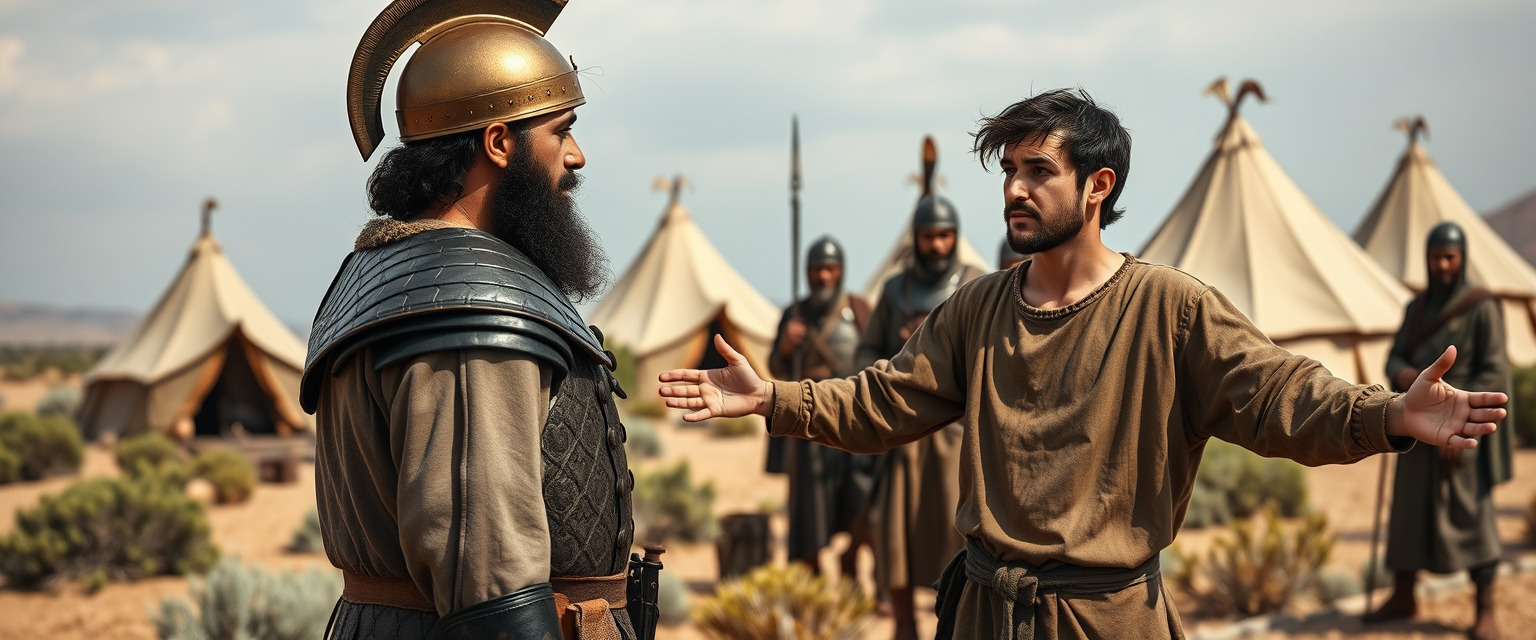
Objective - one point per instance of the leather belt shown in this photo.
(390, 592)
(584, 604)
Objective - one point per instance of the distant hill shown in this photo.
(1516, 223)
(28, 324)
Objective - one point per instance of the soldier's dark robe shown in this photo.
(828, 488)
(917, 486)
(1084, 426)
(1443, 520)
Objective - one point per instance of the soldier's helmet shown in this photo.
(824, 250)
(480, 62)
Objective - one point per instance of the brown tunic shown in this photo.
(1083, 426)
(410, 446)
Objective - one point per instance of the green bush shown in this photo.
(40, 447)
(127, 528)
(668, 506)
(247, 603)
(230, 473)
(736, 427)
(1235, 483)
(1336, 584)
(653, 408)
(1530, 522)
(153, 455)
(1252, 570)
(22, 363)
(61, 401)
(785, 601)
(306, 539)
(641, 440)
(1523, 405)
(624, 369)
(672, 599)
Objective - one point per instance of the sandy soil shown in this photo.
(259, 530)
(23, 395)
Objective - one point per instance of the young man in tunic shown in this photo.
(470, 470)
(1087, 383)
(916, 485)
(828, 488)
(1442, 497)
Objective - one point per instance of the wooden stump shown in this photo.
(744, 544)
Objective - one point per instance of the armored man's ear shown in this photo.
(406, 22)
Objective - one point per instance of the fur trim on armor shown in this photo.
(385, 230)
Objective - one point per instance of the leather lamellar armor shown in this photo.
(909, 300)
(448, 289)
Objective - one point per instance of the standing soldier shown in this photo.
(918, 484)
(1088, 385)
(828, 488)
(470, 469)
(1442, 498)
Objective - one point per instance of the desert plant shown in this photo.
(230, 473)
(672, 599)
(641, 439)
(1257, 568)
(306, 539)
(668, 506)
(42, 446)
(61, 401)
(644, 408)
(1522, 407)
(784, 601)
(1234, 483)
(10, 466)
(152, 455)
(1335, 584)
(235, 602)
(624, 365)
(1530, 522)
(736, 427)
(127, 528)
(22, 363)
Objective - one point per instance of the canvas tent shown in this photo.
(1245, 228)
(1515, 222)
(675, 296)
(1417, 198)
(207, 356)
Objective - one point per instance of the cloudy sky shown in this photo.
(118, 116)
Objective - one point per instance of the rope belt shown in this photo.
(1018, 584)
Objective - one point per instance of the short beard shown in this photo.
(1054, 229)
(541, 220)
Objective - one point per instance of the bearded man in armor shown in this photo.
(917, 484)
(817, 339)
(470, 468)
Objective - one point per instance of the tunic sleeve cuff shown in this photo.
(791, 408)
(1368, 423)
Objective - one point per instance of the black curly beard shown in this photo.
(541, 220)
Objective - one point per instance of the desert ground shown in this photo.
(259, 530)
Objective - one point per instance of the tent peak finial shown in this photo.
(673, 186)
(929, 177)
(1222, 92)
(209, 204)
(1414, 127)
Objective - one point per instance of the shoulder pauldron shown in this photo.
(443, 289)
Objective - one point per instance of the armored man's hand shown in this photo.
(1442, 415)
(731, 392)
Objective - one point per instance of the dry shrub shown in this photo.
(652, 408)
(124, 528)
(153, 456)
(1258, 566)
(641, 439)
(306, 539)
(1234, 482)
(230, 473)
(1522, 406)
(784, 601)
(35, 447)
(668, 506)
(248, 603)
(1530, 522)
(736, 427)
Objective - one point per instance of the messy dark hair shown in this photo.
(416, 176)
(1091, 136)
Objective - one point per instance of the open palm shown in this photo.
(1442, 415)
(733, 391)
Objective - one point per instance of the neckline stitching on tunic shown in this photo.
(1016, 284)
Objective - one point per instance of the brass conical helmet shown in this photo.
(480, 62)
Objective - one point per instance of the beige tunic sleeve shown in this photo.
(1242, 388)
(464, 429)
(889, 403)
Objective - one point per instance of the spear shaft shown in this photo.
(794, 237)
